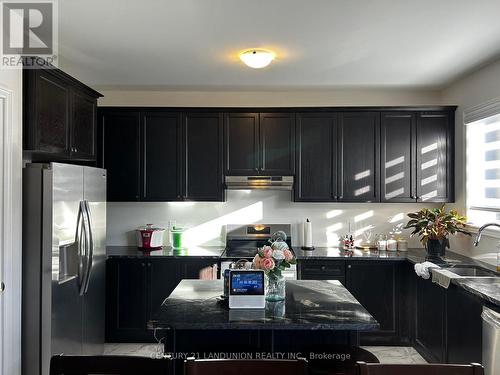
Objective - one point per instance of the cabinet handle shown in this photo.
(323, 268)
(142, 264)
(349, 266)
(149, 264)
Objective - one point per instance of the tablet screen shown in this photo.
(247, 283)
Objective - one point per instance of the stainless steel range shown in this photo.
(243, 240)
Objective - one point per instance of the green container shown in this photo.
(176, 238)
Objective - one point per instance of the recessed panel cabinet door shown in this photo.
(359, 162)
(398, 165)
(161, 156)
(203, 179)
(52, 114)
(382, 300)
(316, 171)
(241, 144)
(435, 157)
(83, 126)
(277, 142)
(121, 155)
(126, 312)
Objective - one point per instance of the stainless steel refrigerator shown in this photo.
(64, 235)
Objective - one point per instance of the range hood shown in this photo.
(259, 182)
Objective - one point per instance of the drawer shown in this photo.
(322, 270)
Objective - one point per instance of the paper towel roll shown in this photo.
(308, 241)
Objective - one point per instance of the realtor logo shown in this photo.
(29, 31)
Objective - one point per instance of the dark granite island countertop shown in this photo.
(309, 305)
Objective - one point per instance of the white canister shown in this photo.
(402, 245)
(392, 244)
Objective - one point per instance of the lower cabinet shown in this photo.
(376, 285)
(429, 335)
(463, 327)
(136, 287)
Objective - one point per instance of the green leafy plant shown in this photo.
(436, 224)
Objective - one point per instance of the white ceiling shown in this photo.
(193, 44)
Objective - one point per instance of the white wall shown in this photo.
(206, 220)
(340, 97)
(10, 221)
(479, 87)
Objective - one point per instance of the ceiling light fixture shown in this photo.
(257, 58)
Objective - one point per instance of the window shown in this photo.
(483, 170)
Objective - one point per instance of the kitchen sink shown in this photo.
(471, 271)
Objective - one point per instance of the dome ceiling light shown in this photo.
(257, 58)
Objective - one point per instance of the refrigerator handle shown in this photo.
(90, 245)
(85, 252)
(80, 241)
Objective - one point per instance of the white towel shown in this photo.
(443, 277)
(422, 269)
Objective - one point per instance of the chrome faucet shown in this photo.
(480, 231)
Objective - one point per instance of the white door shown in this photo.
(10, 223)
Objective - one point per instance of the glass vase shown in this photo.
(275, 288)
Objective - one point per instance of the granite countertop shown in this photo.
(309, 305)
(486, 288)
(201, 252)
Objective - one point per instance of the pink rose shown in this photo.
(267, 252)
(257, 261)
(267, 264)
(288, 255)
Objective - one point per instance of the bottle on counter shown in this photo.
(392, 244)
(382, 242)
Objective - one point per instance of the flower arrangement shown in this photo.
(274, 259)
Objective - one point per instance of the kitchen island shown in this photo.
(314, 314)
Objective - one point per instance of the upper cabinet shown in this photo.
(161, 156)
(157, 155)
(59, 116)
(417, 156)
(335, 155)
(359, 156)
(435, 162)
(259, 143)
(202, 163)
(398, 157)
(316, 177)
(120, 136)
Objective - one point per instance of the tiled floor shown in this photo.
(385, 354)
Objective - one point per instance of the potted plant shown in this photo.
(274, 259)
(434, 226)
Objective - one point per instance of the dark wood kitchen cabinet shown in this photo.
(463, 326)
(241, 144)
(161, 156)
(375, 284)
(417, 157)
(398, 157)
(359, 157)
(126, 300)
(259, 143)
(435, 161)
(277, 143)
(202, 136)
(135, 289)
(429, 329)
(157, 155)
(59, 117)
(317, 148)
(120, 133)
